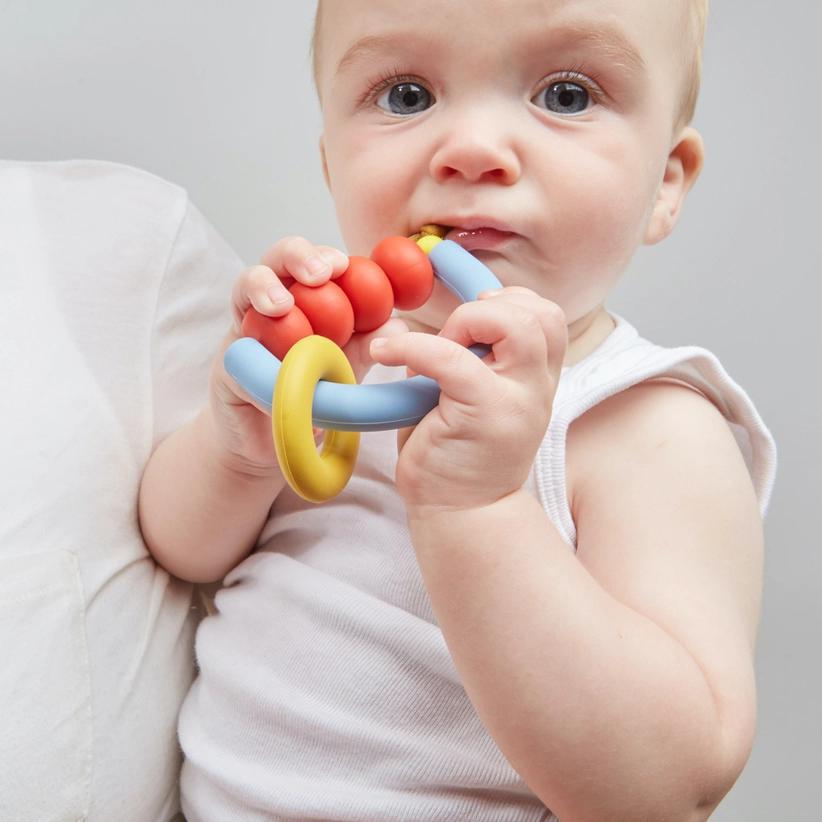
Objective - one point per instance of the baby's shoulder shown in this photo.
(655, 431)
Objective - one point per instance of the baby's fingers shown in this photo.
(550, 317)
(460, 373)
(514, 333)
(259, 287)
(303, 261)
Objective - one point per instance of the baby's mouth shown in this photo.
(471, 239)
(431, 230)
(482, 238)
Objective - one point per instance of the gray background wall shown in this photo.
(217, 97)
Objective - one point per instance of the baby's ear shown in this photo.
(324, 162)
(681, 170)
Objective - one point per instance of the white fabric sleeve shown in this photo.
(191, 318)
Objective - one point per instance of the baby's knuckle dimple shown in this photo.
(529, 322)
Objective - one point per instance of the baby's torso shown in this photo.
(326, 688)
(325, 668)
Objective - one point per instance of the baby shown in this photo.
(545, 605)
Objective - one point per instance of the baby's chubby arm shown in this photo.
(208, 488)
(617, 681)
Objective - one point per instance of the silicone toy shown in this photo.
(309, 385)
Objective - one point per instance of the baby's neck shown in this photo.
(584, 334)
(587, 333)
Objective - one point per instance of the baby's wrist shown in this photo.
(458, 531)
(225, 459)
(447, 514)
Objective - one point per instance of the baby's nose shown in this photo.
(475, 155)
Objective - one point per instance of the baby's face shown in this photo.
(542, 128)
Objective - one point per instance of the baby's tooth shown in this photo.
(435, 230)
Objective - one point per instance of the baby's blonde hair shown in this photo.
(697, 11)
(697, 22)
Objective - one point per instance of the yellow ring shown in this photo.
(316, 477)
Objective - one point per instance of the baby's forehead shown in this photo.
(339, 20)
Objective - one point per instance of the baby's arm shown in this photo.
(617, 681)
(207, 488)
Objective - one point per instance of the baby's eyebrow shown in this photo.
(370, 45)
(609, 41)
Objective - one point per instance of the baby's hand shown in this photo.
(265, 286)
(480, 441)
(243, 427)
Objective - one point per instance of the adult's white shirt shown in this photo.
(114, 295)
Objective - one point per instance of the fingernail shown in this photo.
(278, 296)
(492, 293)
(377, 344)
(316, 266)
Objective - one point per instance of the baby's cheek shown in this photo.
(354, 226)
(369, 209)
(363, 225)
(603, 225)
(605, 201)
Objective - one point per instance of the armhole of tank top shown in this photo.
(551, 475)
(550, 468)
(676, 381)
(551, 480)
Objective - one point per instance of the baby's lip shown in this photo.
(475, 223)
(482, 237)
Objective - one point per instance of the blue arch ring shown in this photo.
(367, 407)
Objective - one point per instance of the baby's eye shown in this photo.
(405, 98)
(564, 98)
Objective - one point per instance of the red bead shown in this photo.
(277, 334)
(328, 310)
(408, 268)
(369, 291)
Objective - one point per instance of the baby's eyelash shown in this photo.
(384, 81)
(578, 75)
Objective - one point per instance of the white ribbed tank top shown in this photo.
(326, 691)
